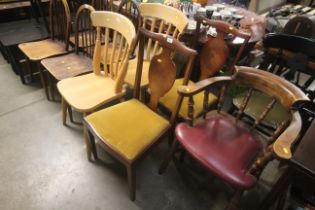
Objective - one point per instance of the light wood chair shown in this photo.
(233, 149)
(213, 57)
(57, 44)
(157, 18)
(78, 62)
(88, 92)
(130, 129)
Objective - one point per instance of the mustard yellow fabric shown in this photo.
(129, 127)
(170, 98)
(257, 104)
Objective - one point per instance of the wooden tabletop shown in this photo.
(16, 32)
(304, 155)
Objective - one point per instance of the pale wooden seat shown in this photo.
(162, 19)
(86, 93)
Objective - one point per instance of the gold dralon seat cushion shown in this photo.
(129, 127)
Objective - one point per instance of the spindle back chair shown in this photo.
(231, 148)
(102, 5)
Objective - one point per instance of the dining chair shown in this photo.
(78, 62)
(231, 148)
(213, 57)
(157, 18)
(291, 57)
(102, 5)
(129, 130)
(88, 92)
(57, 44)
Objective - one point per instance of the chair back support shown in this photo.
(162, 69)
(161, 19)
(289, 55)
(123, 39)
(85, 33)
(102, 5)
(300, 26)
(215, 50)
(290, 97)
(59, 17)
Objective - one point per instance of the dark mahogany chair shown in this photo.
(230, 148)
(130, 129)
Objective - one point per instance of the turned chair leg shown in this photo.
(169, 157)
(43, 80)
(232, 205)
(131, 182)
(64, 106)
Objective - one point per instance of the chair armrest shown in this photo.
(282, 146)
(189, 90)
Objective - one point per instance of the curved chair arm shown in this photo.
(282, 146)
(189, 90)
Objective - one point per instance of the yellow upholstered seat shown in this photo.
(131, 73)
(118, 126)
(169, 100)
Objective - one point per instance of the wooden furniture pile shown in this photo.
(96, 62)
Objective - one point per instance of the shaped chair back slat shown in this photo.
(59, 17)
(124, 36)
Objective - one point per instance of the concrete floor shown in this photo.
(43, 165)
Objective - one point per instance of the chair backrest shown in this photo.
(300, 26)
(215, 49)
(84, 32)
(106, 5)
(161, 19)
(289, 55)
(123, 39)
(162, 69)
(130, 9)
(290, 97)
(59, 18)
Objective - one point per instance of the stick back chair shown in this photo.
(88, 92)
(233, 149)
(161, 19)
(129, 129)
(78, 62)
(291, 57)
(213, 56)
(57, 44)
(103, 5)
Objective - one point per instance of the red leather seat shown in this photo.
(223, 147)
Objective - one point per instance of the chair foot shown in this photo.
(131, 182)
(232, 205)
(169, 157)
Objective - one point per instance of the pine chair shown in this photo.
(157, 18)
(289, 56)
(88, 92)
(129, 129)
(233, 149)
(78, 62)
(57, 44)
(213, 57)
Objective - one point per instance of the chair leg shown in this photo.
(235, 200)
(87, 142)
(51, 83)
(43, 80)
(93, 145)
(29, 69)
(131, 182)
(70, 113)
(64, 106)
(169, 157)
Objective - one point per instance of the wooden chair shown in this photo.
(157, 18)
(88, 92)
(288, 56)
(233, 149)
(57, 44)
(106, 5)
(79, 62)
(213, 56)
(142, 125)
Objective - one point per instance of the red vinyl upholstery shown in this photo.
(223, 147)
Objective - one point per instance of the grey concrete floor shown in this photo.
(43, 165)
